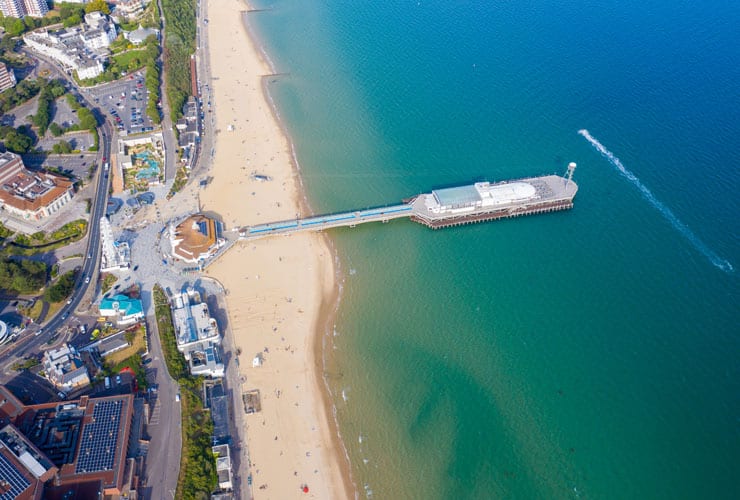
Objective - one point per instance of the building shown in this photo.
(31, 195)
(193, 322)
(206, 360)
(83, 49)
(22, 8)
(125, 310)
(23, 468)
(188, 125)
(223, 466)
(10, 406)
(196, 239)
(139, 35)
(36, 8)
(12, 8)
(83, 443)
(116, 254)
(64, 368)
(4, 332)
(7, 77)
(101, 30)
(197, 334)
(129, 8)
(217, 403)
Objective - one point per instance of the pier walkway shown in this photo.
(447, 207)
(318, 223)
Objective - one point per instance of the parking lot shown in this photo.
(78, 165)
(125, 101)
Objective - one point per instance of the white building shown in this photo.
(64, 368)
(193, 322)
(7, 77)
(99, 22)
(129, 8)
(90, 69)
(223, 466)
(116, 254)
(12, 8)
(82, 49)
(139, 35)
(36, 8)
(197, 334)
(22, 8)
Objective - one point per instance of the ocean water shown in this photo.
(590, 353)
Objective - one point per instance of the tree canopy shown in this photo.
(97, 6)
(22, 276)
(62, 289)
(18, 141)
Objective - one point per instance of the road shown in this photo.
(88, 275)
(163, 462)
(168, 135)
(164, 427)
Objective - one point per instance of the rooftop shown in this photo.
(195, 238)
(26, 190)
(457, 196)
(14, 481)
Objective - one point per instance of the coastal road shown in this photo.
(203, 157)
(164, 427)
(33, 342)
(168, 135)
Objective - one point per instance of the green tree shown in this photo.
(62, 289)
(97, 5)
(62, 147)
(17, 142)
(67, 10)
(24, 276)
(55, 129)
(15, 27)
(72, 20)
(87, 119)
(72, 101)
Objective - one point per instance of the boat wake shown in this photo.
(682, 228)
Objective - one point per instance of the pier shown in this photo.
(479, 202)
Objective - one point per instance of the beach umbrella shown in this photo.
(305, 488)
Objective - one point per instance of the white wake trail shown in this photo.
(682, 228)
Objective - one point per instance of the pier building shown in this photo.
(479, 202)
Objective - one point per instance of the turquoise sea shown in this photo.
(592, 353)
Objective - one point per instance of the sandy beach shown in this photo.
(276, 288)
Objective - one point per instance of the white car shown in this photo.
(87, 279)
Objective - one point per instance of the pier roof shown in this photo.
(456, 196)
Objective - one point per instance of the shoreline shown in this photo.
(267, 468)
(329, 306)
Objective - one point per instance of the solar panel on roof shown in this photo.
(16, 482)
(99, 439)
